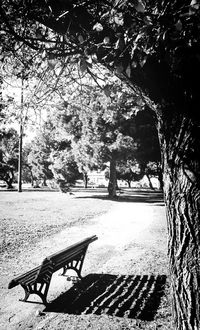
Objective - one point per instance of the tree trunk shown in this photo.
(9, 183)
(180, 147)
(150, 183)
(160, 179)
(44, 182)
(112, 185)
(85, 179)
(9, 177)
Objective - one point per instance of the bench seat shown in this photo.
(37, 280)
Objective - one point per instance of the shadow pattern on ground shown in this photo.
(117, 295)
(155, 197)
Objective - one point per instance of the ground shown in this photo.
(125, 284)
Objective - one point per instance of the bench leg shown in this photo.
(75, 264)
(41, 289)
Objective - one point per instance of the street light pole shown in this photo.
(20, 139)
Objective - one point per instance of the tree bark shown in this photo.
(150, 183)
(85, 179)
(44, 182)
(160, 178)
(9, 183)
(112, 185)
(129, 183)
(180, 146)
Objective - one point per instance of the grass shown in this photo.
(32, 217)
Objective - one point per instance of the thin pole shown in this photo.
(20, 140)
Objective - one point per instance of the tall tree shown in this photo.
(50, 156)
(9, 156)
(154, 46)
(148, 151)
(102, 127)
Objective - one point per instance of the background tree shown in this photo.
(64, 169)
(129, 171)
(50, 156)
(9, 156)
(148, 150)
(38, 158)
(101, 128)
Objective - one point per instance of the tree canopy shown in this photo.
(155, 45)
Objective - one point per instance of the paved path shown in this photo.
(127, 234)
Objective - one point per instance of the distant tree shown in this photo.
(9, 156)
(38, 155)
(64, 169)
(153, 169)
(50, 156)
(101, 128)
(27, 175)
(129, 171)
(147, 153)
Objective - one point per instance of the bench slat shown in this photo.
(69, 255)
(43, 273)
(17, 280)
(71, 247)
(64, 262)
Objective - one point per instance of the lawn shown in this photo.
(125, 283)
(30, 216)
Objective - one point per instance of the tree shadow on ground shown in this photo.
(117, 295)
(155, 197)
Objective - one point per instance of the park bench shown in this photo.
(37, 280)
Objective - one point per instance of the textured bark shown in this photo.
(181, 162)
(85, 179)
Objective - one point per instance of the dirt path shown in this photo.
(128, 260)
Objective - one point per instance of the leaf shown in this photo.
(120, 44)
(179, 25)
(118, 19)
(107, 91)
(128, 70)
(80, 39)
(140, 7)
(142, 63)
(147, 20)
(44, 54)
(194, 4)
(119, 68)
(83, 65)
(134, 64)
(94, 57)
(106, 40)
(51, 64)
(39, 34)
(98, 27)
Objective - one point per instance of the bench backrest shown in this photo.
(59, 259)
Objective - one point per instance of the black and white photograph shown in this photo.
(99, 165)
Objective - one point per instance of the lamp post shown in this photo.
(20, 138)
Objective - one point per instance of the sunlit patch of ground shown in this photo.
(125, 283)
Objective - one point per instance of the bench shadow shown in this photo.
(117, 295)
